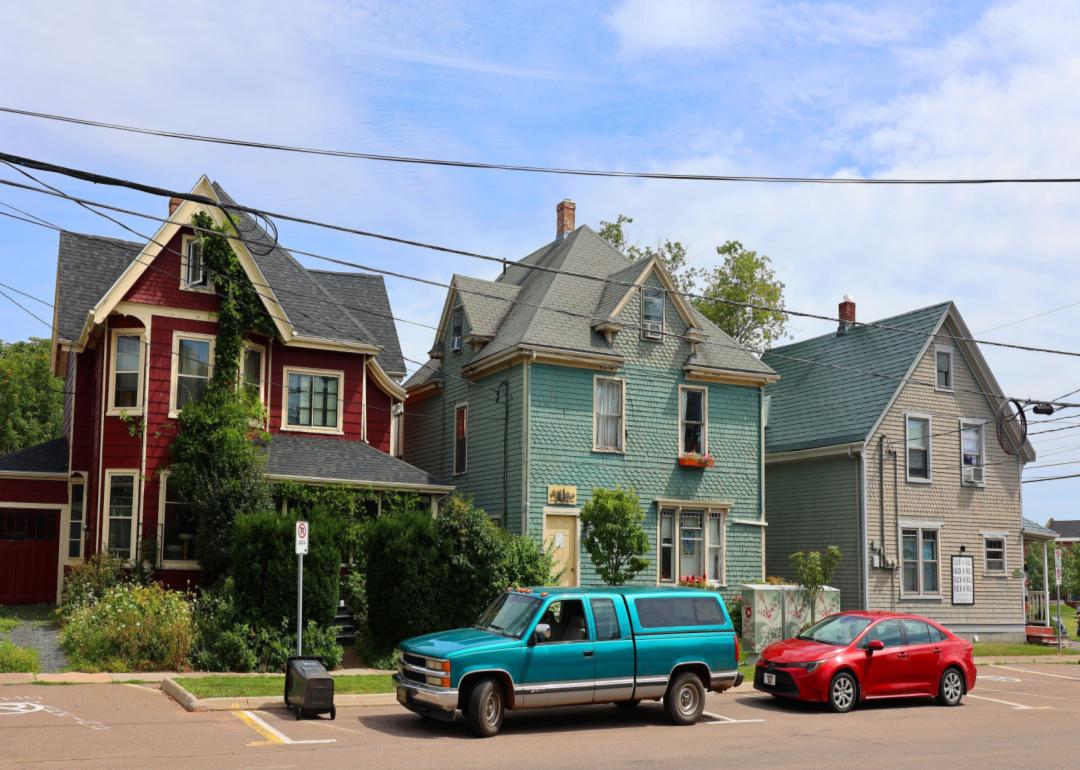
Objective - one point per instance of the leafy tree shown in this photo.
(813, 570)
(31, 398)
(613, 535)
(735, 295)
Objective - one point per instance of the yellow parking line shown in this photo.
(247, 719)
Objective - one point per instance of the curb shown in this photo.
(176, 691)
(989, 660)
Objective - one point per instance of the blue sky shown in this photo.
(875, 89)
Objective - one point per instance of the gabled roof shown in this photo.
(827, 394)
(616, 288)
(340, 460)
(486, 303)
(365, 297)
(48, 457)
(1070, 528)
(429, 372)
(86, 266)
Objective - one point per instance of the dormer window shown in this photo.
(652, 314)
(192, 267)
(456, 328)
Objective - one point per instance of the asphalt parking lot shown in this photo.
(138, 726)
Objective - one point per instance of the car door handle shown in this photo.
(937, 650)
(588, 653)
(901, 654)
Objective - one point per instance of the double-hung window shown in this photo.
(75, 521)
(918, 448)
(461, 439)
(192, 365)
(127, 365)
(251, 371)
(178, 547)
(314, 400)
(972, 453)
(192, 265)
(693, 421)
(943, 360)
(994, 553)
(608, 431)
(652, 313)
(920, 561)
(691, 544)
(120, 507)
(457, 325)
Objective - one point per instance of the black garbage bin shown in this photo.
(309, 689)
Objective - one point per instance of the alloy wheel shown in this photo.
(843, 693)
(952, 687)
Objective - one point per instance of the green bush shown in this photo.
(88, 581)
(130, 628)
(354, 593)
(18, 660)
(264, 568)
(426, 574)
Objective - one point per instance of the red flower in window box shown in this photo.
(695, 460)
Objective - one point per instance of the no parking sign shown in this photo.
(302, 533)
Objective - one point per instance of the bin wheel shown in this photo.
(333, 712)
(299, 712)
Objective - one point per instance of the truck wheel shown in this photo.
(486, 708)
(950, 688)
(685, 699)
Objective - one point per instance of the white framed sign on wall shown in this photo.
(963, 580)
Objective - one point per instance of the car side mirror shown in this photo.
(874, 645)
(542, 633)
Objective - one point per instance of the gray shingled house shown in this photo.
(881, 439)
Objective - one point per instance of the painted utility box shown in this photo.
(775, 612)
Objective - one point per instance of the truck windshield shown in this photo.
(508, 615)
(840, 630)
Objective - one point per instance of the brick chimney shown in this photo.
(846, 312)
(174, 204)
(564, 218)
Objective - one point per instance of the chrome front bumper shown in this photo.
(424, 697)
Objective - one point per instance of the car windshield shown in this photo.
(508, 615)
(840, 630)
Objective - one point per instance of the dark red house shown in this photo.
(133, 336)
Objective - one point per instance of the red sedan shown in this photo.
(856, 656)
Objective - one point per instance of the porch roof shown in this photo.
(1034, 531)
(48, 457)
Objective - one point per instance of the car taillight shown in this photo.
(738, 651)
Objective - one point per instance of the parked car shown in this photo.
(855, 656)
(540, 647)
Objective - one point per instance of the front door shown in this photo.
(29, 549)
(886, 671)
(560, 538)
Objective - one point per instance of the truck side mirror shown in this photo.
(542, 633)
(874, 645)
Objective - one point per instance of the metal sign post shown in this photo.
(302, 533)
(1057, 582)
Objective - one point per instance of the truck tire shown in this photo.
(486, 708)
(685, 699)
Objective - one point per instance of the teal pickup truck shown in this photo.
(537, 647)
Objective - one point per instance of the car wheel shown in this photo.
(486, 709)
(843, 692)
(685, 699)
(626, 705)
(950, 688)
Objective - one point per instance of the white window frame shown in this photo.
(704, 418)
(708, 509)
(1004, 538)
(163, 478)
(262, 368)
(174, 377)
(136, 410)
(456, 342)
(337, 430)
(952, 368)
(621, 450)
(107, 508)
(919, 527)
(458, 407)
(968, 422)
(663, 314)
(908, 416)
(76, 480)
(207, 287)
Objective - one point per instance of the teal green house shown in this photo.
(577, 368)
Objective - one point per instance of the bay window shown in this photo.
(690, 543)
(608, 401)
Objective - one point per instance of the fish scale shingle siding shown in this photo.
(811, 505)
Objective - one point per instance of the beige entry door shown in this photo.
(561, 537)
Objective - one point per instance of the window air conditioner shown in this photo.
(973, 474)
(651, 330)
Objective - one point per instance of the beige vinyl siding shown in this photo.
(964, 511)
(810, 505)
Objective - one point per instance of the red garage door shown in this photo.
(28, 553)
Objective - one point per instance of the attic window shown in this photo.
(456, 329)
(192, 266)
(652, 314)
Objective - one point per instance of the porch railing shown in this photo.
(1036, 609)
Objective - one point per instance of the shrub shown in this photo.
(735, 609)
(525, 562)
(613, 535)
(130, 628)
(264, 568)
(354, 593)
(813, 570)
(88, 581)
(18, 660)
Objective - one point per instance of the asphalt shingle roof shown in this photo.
(333, 458)
(48, 457)
(1069, 528)
(432, 370)
(360, 291)
(86, 267)
(821, 400)
(486, 303)
(616, 289)
(1029, 527)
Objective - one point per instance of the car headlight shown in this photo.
(811, 666)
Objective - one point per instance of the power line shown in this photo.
(564, 171)
(1051, 478)
(1030, 317)
(265, 214)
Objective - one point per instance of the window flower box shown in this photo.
(695, 460)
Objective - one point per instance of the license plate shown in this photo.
(769, 679)
(402, 695)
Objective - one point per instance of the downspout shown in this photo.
(103, 382)
(863, 567)
(761, 477)
(141, 509)
(525, 399)
(896, 520)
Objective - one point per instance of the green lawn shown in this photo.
(258, 685)
(18, 660)
(1068, 615)
(747, 670)
(1005, 648)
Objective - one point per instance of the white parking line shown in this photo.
(1040, 673)
(723, 720)
(269, 731)
(1016, 706)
